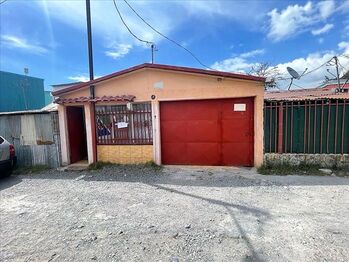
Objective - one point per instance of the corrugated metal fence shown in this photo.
(310, 127)
(35, 137)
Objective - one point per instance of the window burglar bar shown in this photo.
(129, 124)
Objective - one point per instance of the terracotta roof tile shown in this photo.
(82, 99)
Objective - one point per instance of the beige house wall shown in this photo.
(169, 86)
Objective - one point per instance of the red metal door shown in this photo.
(207, 132)
(77, 134)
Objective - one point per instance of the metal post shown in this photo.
(338, 80)
(89, 38)
(280, 128)
(152, 53)
(92, 88)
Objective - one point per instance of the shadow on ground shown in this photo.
(7, 182)
(260, 214)
(186, 176)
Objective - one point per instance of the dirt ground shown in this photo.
(173, 214)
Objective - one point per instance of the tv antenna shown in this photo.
(294, 75)
(153, 49)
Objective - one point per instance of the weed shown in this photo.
(26, 170)
(153, 165)
(99, 165)
(286, 169)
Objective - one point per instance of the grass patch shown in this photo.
(100, 165)
(153, 165)
(27, 170)
(302, 169)
(286, 169)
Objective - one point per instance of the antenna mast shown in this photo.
(153, 49)
(338, 80)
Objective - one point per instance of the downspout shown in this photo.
(92, 87)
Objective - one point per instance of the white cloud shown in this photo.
(81, 78)
(234, 64)
(315, 60)
(344, 46)
(252, 53)
(322, 30)
(311, 61)
(106, 24)
(238, 63)
(118, 51)
(296, 19)
(326, 8)
(166, 16)
(15, 42)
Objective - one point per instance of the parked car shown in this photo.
(8, 157)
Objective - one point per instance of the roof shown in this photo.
(305, 94)
(75, 87)
(47, 109)
(20, 75)
(124, 98)
(66, 84)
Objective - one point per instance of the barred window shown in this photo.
(129, 124)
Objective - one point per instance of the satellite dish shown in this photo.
(293, 73)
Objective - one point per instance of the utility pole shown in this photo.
(89, 38)
(338, 80)
(92, 87)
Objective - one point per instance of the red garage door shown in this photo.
(207, 132)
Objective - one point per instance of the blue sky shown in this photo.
(49, 37)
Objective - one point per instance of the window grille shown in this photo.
(129, 124)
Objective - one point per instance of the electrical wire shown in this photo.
(166, 37)
(127, 27)
(317, 68)
(343, 68)
(298, 86)
(2, 2)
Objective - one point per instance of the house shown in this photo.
(166, 114)
(20, 92)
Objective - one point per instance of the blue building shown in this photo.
(20, 92)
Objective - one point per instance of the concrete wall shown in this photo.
(125, 154)
(324, 160)
(171, 86)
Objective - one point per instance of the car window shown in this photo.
(1, 140)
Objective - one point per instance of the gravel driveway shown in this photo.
(173, 214)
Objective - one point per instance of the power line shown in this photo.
(129, 30)
(317, 68)
(298, 86)
(166, 37)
